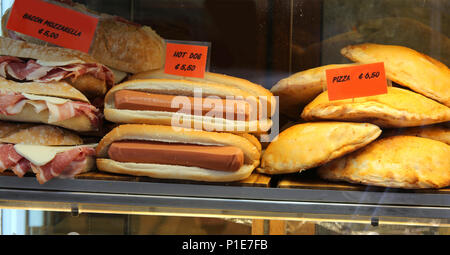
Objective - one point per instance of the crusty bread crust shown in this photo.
(23, 49)
(79, 123)
(406, 67)
(398, 108)
(398, 162)
(54, 89)
(37, 134)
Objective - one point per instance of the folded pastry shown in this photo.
(308, 145)
(55, 103)
(398, 162)
(435, 132)
(299, 89)
(48, 151)
(187, 104)
(406, 67)
(168, 153)
(398, 108)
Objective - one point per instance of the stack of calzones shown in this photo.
(414, 152)
(173, 127)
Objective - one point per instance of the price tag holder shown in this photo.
(187, 58)
(53, 23)
(356, 81)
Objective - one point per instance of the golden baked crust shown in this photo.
(398, 162)
(398, 108)
(435, 132)
(37, 134)
(406, 67)
(304, 146)
(300, 88)
(53, 89)
(216, 78)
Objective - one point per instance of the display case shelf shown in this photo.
(143, 197)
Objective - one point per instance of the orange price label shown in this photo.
(53, 23)
(189, 60)
(356, 81)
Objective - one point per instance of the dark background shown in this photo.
(267, 40)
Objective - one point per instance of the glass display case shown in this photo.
(262, 41)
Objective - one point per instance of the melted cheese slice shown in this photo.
(53, 100)
(40, 155)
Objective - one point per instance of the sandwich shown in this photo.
(47, 151)
(55, 103)
(398, 108)
(407, 162)
(188, 104)
(120, 44)
(26, 62)
(406, 67)
(308, 145)
(256, 90)
(167, 153)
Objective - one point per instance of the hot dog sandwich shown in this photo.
(188, 104)
(164, 152)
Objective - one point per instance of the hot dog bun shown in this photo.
(157, 133)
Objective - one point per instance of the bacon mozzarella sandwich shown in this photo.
(170, 153)
(48, 151)
(55, 103)
(26, 62)
(187, 104)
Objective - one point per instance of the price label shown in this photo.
(356, 81)
(186, 59)
(53, 23)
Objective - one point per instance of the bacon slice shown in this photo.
(8, 157)
(62, 164)
(65, 164)
(30, 70)
(13, 103)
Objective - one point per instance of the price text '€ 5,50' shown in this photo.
(186, 60)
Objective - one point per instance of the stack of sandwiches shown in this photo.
(52, 98)
(45, 103)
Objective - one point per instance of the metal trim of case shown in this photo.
(206, 196)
